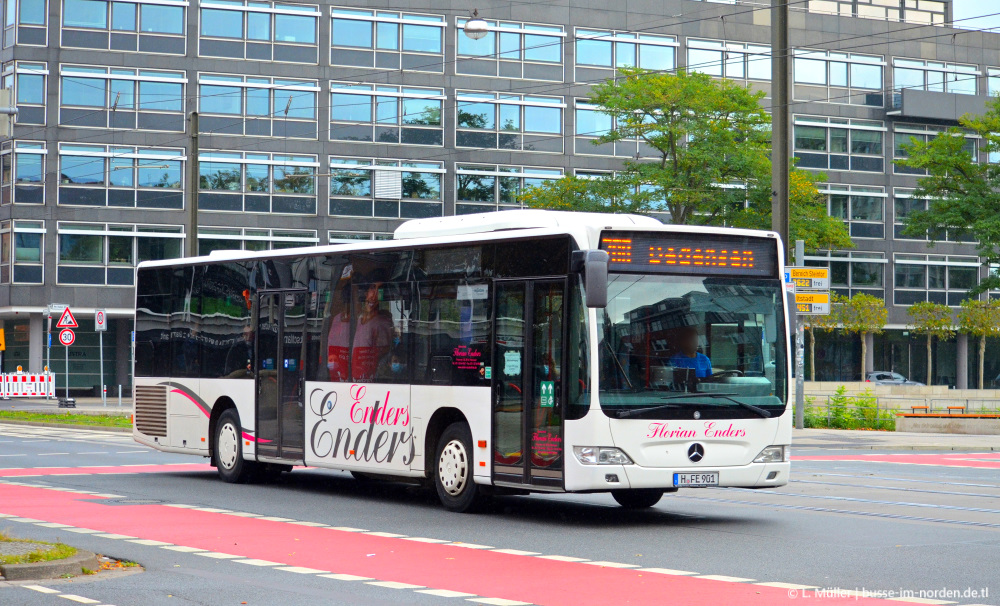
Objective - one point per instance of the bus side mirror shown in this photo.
(593, 264)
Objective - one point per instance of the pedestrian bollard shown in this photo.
(119, 395)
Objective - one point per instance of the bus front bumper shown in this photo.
(617, 477)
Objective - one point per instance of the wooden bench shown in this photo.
(923, 408)
(960, 409)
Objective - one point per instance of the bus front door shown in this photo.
(281, 335)
(527, 391)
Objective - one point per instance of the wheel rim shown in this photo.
(228, 447)
(453, 468)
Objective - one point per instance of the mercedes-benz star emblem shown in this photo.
(696, 453)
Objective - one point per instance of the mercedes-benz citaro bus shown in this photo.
(500, 353)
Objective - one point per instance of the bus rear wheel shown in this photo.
(453, 470)
(638, 498)
(228, 453)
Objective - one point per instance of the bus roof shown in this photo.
(517, 219)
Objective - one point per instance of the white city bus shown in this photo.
(501, 353)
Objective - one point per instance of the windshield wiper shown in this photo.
(725, 396)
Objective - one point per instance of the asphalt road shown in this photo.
(848, 521)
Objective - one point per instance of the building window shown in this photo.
(349, 237)
(261, 31)
(222, 238)
(731, 60)
(853, 273)
(146, 27)
(23, 165)
(386, 114)
(481, 188)
(269, 107)
(905, 205)
(256, 182)
(834, 77)
(25, 23)
(591, 124)
(600, 52)
(21, 248)
(839, 144)
(905, 134)
(944, 279)
(107, 253)
(117, 98)
(509, 121)
(27, 80)
(862, 209)
(511, 49)
(121, 176)
(935, 76)
(387, 40)
(391, 189)
(993, 81)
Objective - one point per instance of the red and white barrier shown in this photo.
(26, 385)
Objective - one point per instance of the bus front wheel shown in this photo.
(229, 460)
(638, 498)
(453, 470)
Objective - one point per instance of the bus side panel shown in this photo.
(474, 404)
(170, 415)
(242, 393)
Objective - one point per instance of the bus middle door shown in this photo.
(281, 343)
(527, 390)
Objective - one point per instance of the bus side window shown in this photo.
(452, 328)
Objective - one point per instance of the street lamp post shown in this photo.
(476, 28)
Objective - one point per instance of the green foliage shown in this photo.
(862, 314)
(963, 194)
(849, 412)
(980, 319)
(931, 319)
(64, 419)
(710, 165)
(45, 553)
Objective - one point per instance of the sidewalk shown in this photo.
(836, 439)
(84, 406)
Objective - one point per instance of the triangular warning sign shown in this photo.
(66, 320)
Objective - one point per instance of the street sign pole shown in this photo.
(48, 350)
(800, 351)
(101, 325)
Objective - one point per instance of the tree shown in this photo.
(827, 323)
(707, 143)
(980, 319)
(963, 194)
(932, 320)
(862, 315)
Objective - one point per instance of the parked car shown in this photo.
(884, 377)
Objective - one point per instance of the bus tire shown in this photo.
(637, 498)
(453, 470)
(228, 453)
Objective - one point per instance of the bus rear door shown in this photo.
(281, 343)
(527, 391)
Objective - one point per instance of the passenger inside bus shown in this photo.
(372, 335)
(689, 356)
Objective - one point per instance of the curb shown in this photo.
(66, 425)
(54, 569)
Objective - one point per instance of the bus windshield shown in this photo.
(682, 347)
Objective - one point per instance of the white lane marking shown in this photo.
(668, 571)
(148, 542)
(112, 535)
(26, 520)
(51, 454)
(310, 524)
(180, 506)
(78, 598)
(52, 525)
(14, 455)
(786, 585)
(612, 564)
(107, 495)
(347, 529)
(394, 585)
(497, 602)
(253, 562)
(471, 546)
(217, 555)
(275, 519)
(40, 589)
(243, 514)
(445, 593)
(300, 569)
(559, 558)
(345, 577)
(82, 530)
(424, 540)
(211, 510)
(516, 552)
(722, 577)
(183, 549)
(388, 535)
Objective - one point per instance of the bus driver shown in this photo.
(689, 356)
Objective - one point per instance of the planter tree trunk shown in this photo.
(864, 355)
(812, 355)
(982, 356)
(929, 375)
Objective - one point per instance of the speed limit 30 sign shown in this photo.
(67, 337)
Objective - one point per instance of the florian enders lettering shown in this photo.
(377, 432)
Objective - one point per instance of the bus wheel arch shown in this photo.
(221, 405)
(439, 421)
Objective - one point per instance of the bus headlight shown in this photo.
(599, 455)
(771, 454)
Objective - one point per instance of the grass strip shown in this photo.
(67, 418)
